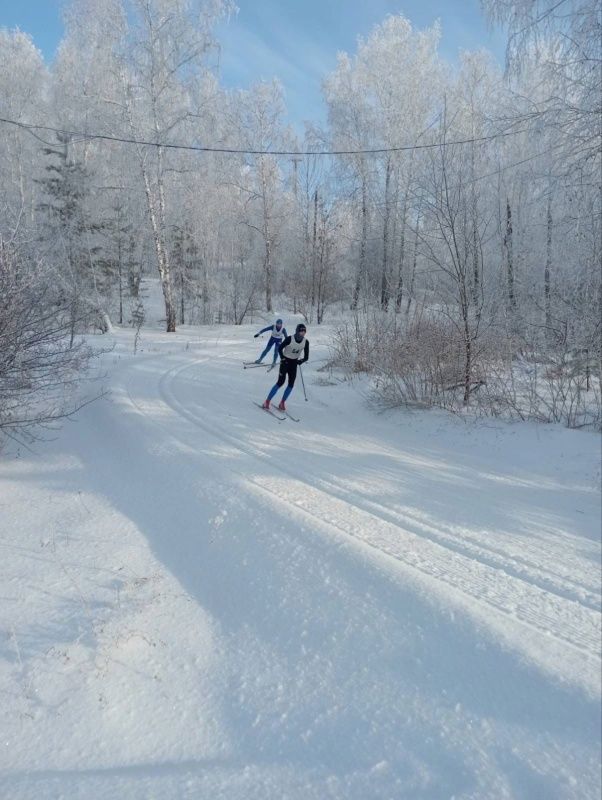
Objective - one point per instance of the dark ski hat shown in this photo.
(278, 322)
(300, 327)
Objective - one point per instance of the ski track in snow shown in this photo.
(561, 615)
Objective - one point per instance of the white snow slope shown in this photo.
(199, 601)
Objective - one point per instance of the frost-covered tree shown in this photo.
(258, 121)
(386, 95)
(69, 232)
(23, 98)
(162, 61)
(565, 40)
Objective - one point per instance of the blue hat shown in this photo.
(278, 322)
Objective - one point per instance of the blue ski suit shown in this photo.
(276, 339)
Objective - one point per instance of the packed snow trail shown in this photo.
(575, 623)
(350, 607)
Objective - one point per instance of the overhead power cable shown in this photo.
(239, 151)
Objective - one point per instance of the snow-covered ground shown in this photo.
(200, 601)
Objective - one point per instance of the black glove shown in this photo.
(256, 335)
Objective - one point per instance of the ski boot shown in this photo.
(266, 405)
(281, 406)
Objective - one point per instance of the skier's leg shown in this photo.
(268, 399)
(292, 374)
(277, 385)
(265, 352)
(276, 345)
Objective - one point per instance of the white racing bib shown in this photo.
(295, 350)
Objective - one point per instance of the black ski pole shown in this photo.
(303, 383)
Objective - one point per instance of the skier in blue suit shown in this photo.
(277, 336)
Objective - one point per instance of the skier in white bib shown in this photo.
(294, 351)
(277, 335)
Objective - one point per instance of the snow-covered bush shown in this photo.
(420, 362)
(41, 361)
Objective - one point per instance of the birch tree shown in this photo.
(167, 46)
(258, 117)
(24, 84)
(384, 97)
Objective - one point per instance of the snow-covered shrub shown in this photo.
(40, 360)
(420, 362)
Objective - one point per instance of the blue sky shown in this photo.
(294, 40)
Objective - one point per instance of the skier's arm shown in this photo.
(263, 330)
(284, 332)
(306, 354)
(282, 345)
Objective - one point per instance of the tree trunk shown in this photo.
(476, 265)
(476, 262)
(547, 271)
(120, 269)
(509, 259)
(465, 308)
(414, 262)
(182, 296)
(402, 249)
(267, 234)
(322, 272)
(384, 286)
(205, 292)
(467, 363)
(361, 269)
(162, 258)
(268, 274)
(404, 226)
(314, 255)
